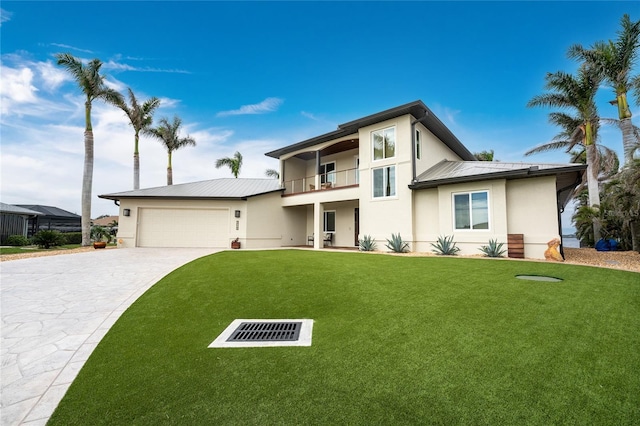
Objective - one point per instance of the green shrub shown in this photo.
(47, 239)
(396, 244)
(72, 237)
(494, 249)
(445, 246)
(17, 240)
(100, 233)
(367, 243)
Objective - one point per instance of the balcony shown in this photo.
(327, 181)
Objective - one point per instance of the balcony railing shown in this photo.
(329, 180)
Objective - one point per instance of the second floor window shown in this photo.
(384, 182)
(384, 143)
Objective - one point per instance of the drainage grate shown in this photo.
(266, 332)
(256, 333)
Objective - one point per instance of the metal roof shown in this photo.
(417, 109)
(9, 208)
(50, 211)
(447, 172)
(227, 188)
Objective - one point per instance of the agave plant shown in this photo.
(445, 246)
(367, 243)
(494, 249)
(396, 244)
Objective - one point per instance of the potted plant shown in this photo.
(100, 237)
(235, 244)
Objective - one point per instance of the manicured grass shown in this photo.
(31, 249)
(396, 340)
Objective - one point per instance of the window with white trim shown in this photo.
(471, 210)
(384, 143)
(329, 221)
(384, 182)
(418, 145)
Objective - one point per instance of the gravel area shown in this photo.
(625, 260)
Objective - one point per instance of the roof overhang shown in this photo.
(527, 172)
(118, 197)
(417, 109)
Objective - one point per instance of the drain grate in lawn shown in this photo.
(539, 278)
(243, 333)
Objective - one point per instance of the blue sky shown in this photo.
(256, 76)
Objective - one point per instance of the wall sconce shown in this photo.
(237, 213)
(126, 212)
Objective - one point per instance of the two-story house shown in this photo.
(396, 171)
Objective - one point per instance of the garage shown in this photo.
(174, 227)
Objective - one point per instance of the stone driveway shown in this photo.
(54, 312)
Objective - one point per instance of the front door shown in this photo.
(356, 225)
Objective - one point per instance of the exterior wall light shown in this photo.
(237, 213)
(126, 212)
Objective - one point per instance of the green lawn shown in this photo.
(396, 340)
(30, 249)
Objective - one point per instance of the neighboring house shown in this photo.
(52, 218)
(397, 171)
(105, 221)
(14, 220)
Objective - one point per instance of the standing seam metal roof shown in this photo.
(227, 188)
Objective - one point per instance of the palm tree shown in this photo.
(91, 83)
(272, 173)
(234, 164)
(614, 62)
(141, 117)
(576, 93)
(167, 133)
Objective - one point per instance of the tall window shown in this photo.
(330, 221)
(384, 182)
(327, 173)
(471, 210)
(384, 143)
(418, 144)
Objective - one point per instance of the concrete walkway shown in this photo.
(54, 312)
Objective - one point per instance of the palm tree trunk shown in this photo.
(169, 172)
(592, 185)
(136, 164)
(87, 177)
(629, 142)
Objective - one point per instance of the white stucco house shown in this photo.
(396, 171)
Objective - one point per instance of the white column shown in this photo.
(318, 225)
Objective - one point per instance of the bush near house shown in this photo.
(73, 237)
(47, 239)
(17, 240)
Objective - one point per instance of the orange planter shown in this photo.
(99, 245)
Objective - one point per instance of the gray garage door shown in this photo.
(183, 227)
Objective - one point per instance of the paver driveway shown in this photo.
(56, 309)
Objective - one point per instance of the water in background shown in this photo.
(571, 242)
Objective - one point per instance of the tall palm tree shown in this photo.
(234, 163)
(91, 83)
(614, 61)
(141, 117)
(167, 133)
(577, 94)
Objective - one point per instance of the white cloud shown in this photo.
(52, 76)
(66, 46)
(5, 16)
(16, 85)
(268, 105)
(309, 116)
(120, 66)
